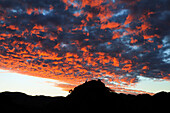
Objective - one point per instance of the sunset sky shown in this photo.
(48, 47)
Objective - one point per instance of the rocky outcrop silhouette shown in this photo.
(93, 88)
(91, 96)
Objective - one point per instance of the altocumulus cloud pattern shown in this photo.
(116, 41)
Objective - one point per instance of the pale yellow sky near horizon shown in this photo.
(15, 82)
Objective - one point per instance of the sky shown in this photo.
(15, 82)
(125, 43)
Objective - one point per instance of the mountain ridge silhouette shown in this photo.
(90, 88)
(91, 96)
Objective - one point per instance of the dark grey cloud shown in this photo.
(72, 41)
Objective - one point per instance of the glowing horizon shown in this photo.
(30, 85)
(15, 82)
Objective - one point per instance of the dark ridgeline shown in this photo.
(91, 96)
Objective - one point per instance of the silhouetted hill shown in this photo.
(93, 88)
(92, 96)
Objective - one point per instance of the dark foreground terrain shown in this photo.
(90, 97)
